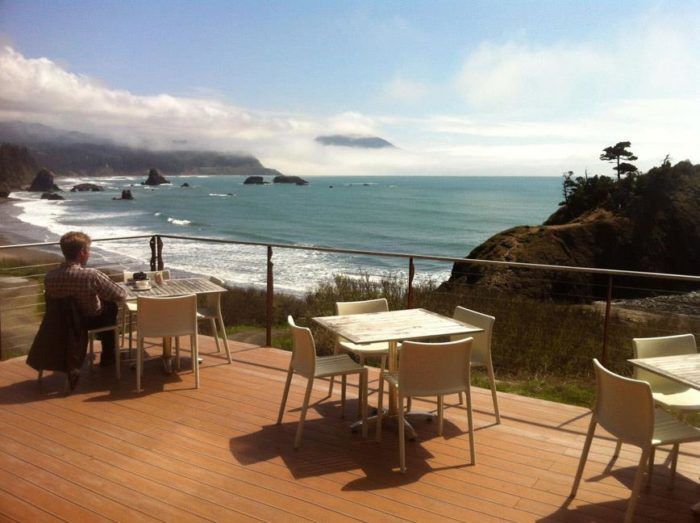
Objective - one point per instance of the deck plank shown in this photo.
(178, 453)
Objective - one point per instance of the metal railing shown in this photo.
(157, 246)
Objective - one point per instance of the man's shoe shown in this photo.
(73, 377)
(167, 366)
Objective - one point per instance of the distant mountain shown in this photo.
(365, 142)
(71, 153)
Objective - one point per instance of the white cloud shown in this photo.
(406, 91)
(651, 57)
(521, 140)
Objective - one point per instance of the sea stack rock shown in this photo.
(126, 195)
(254, 180)
(185, 185)
(43, 182)
(282, 178)
(83, 187)
(51, 196)
(4, 194)
(155, 178)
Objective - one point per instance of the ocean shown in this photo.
(435, 215)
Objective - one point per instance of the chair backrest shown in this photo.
(213, 299)
(624, 407)
(129, 275)
(303, 349)
(172, 316)
(429, 369)
(481, 346)
(343, 308)
(661, 346)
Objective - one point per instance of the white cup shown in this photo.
(142, 284)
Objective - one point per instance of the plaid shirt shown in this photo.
(89, 287)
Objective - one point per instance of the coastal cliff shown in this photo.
(649, 222)
(17, 168)
(79, 154)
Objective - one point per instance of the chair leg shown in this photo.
(224, 337)
(618, 447)
(131, 330)
(177, 353)
(215, 332)
(304, 407)
(139, 362)
(470, 423)
(461, 398)
(492, 381)
(632, 504)
(674, 462)
(402, 436)
(409, 404)
(336, 350)
(584, 456)
(380, 409)
(195, 358)
(117, 354)
(343, 388)
(362, 362)
(440, 406)
(285, 394)
(364, 378)
(41, 375)
(652, 455)
(91, 348)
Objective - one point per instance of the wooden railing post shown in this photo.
(159, 253)
(270, 295)
(411, 274)
(152, 243)
(608, 302)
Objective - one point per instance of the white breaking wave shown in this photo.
(175, 221)
(221, 194)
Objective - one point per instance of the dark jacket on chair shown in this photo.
(61, 342)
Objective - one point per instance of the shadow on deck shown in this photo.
(176, 453)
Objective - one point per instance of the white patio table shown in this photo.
(394, 327)
(683, 368)
(168, 288)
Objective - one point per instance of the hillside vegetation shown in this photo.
(644, 222)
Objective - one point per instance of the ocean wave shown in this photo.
(175, 221)
(221, 194)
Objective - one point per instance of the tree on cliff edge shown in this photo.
(615, 152)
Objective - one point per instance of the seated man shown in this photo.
(95, 294)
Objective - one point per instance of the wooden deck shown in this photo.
(174, 453)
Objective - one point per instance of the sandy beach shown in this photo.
(14, 231)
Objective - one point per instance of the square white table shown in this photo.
(683, 368)
(169, 288)
(394, 327)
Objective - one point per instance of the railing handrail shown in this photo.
(388, 254)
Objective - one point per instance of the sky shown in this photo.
(459, 87)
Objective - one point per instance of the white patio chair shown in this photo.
(368, 350)
(667, 393)
(429, 369)
(625, 408)
(165, 318)
(92, 334)
(481, 347)
(305, 362)
(131, 308)
(211, 311)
